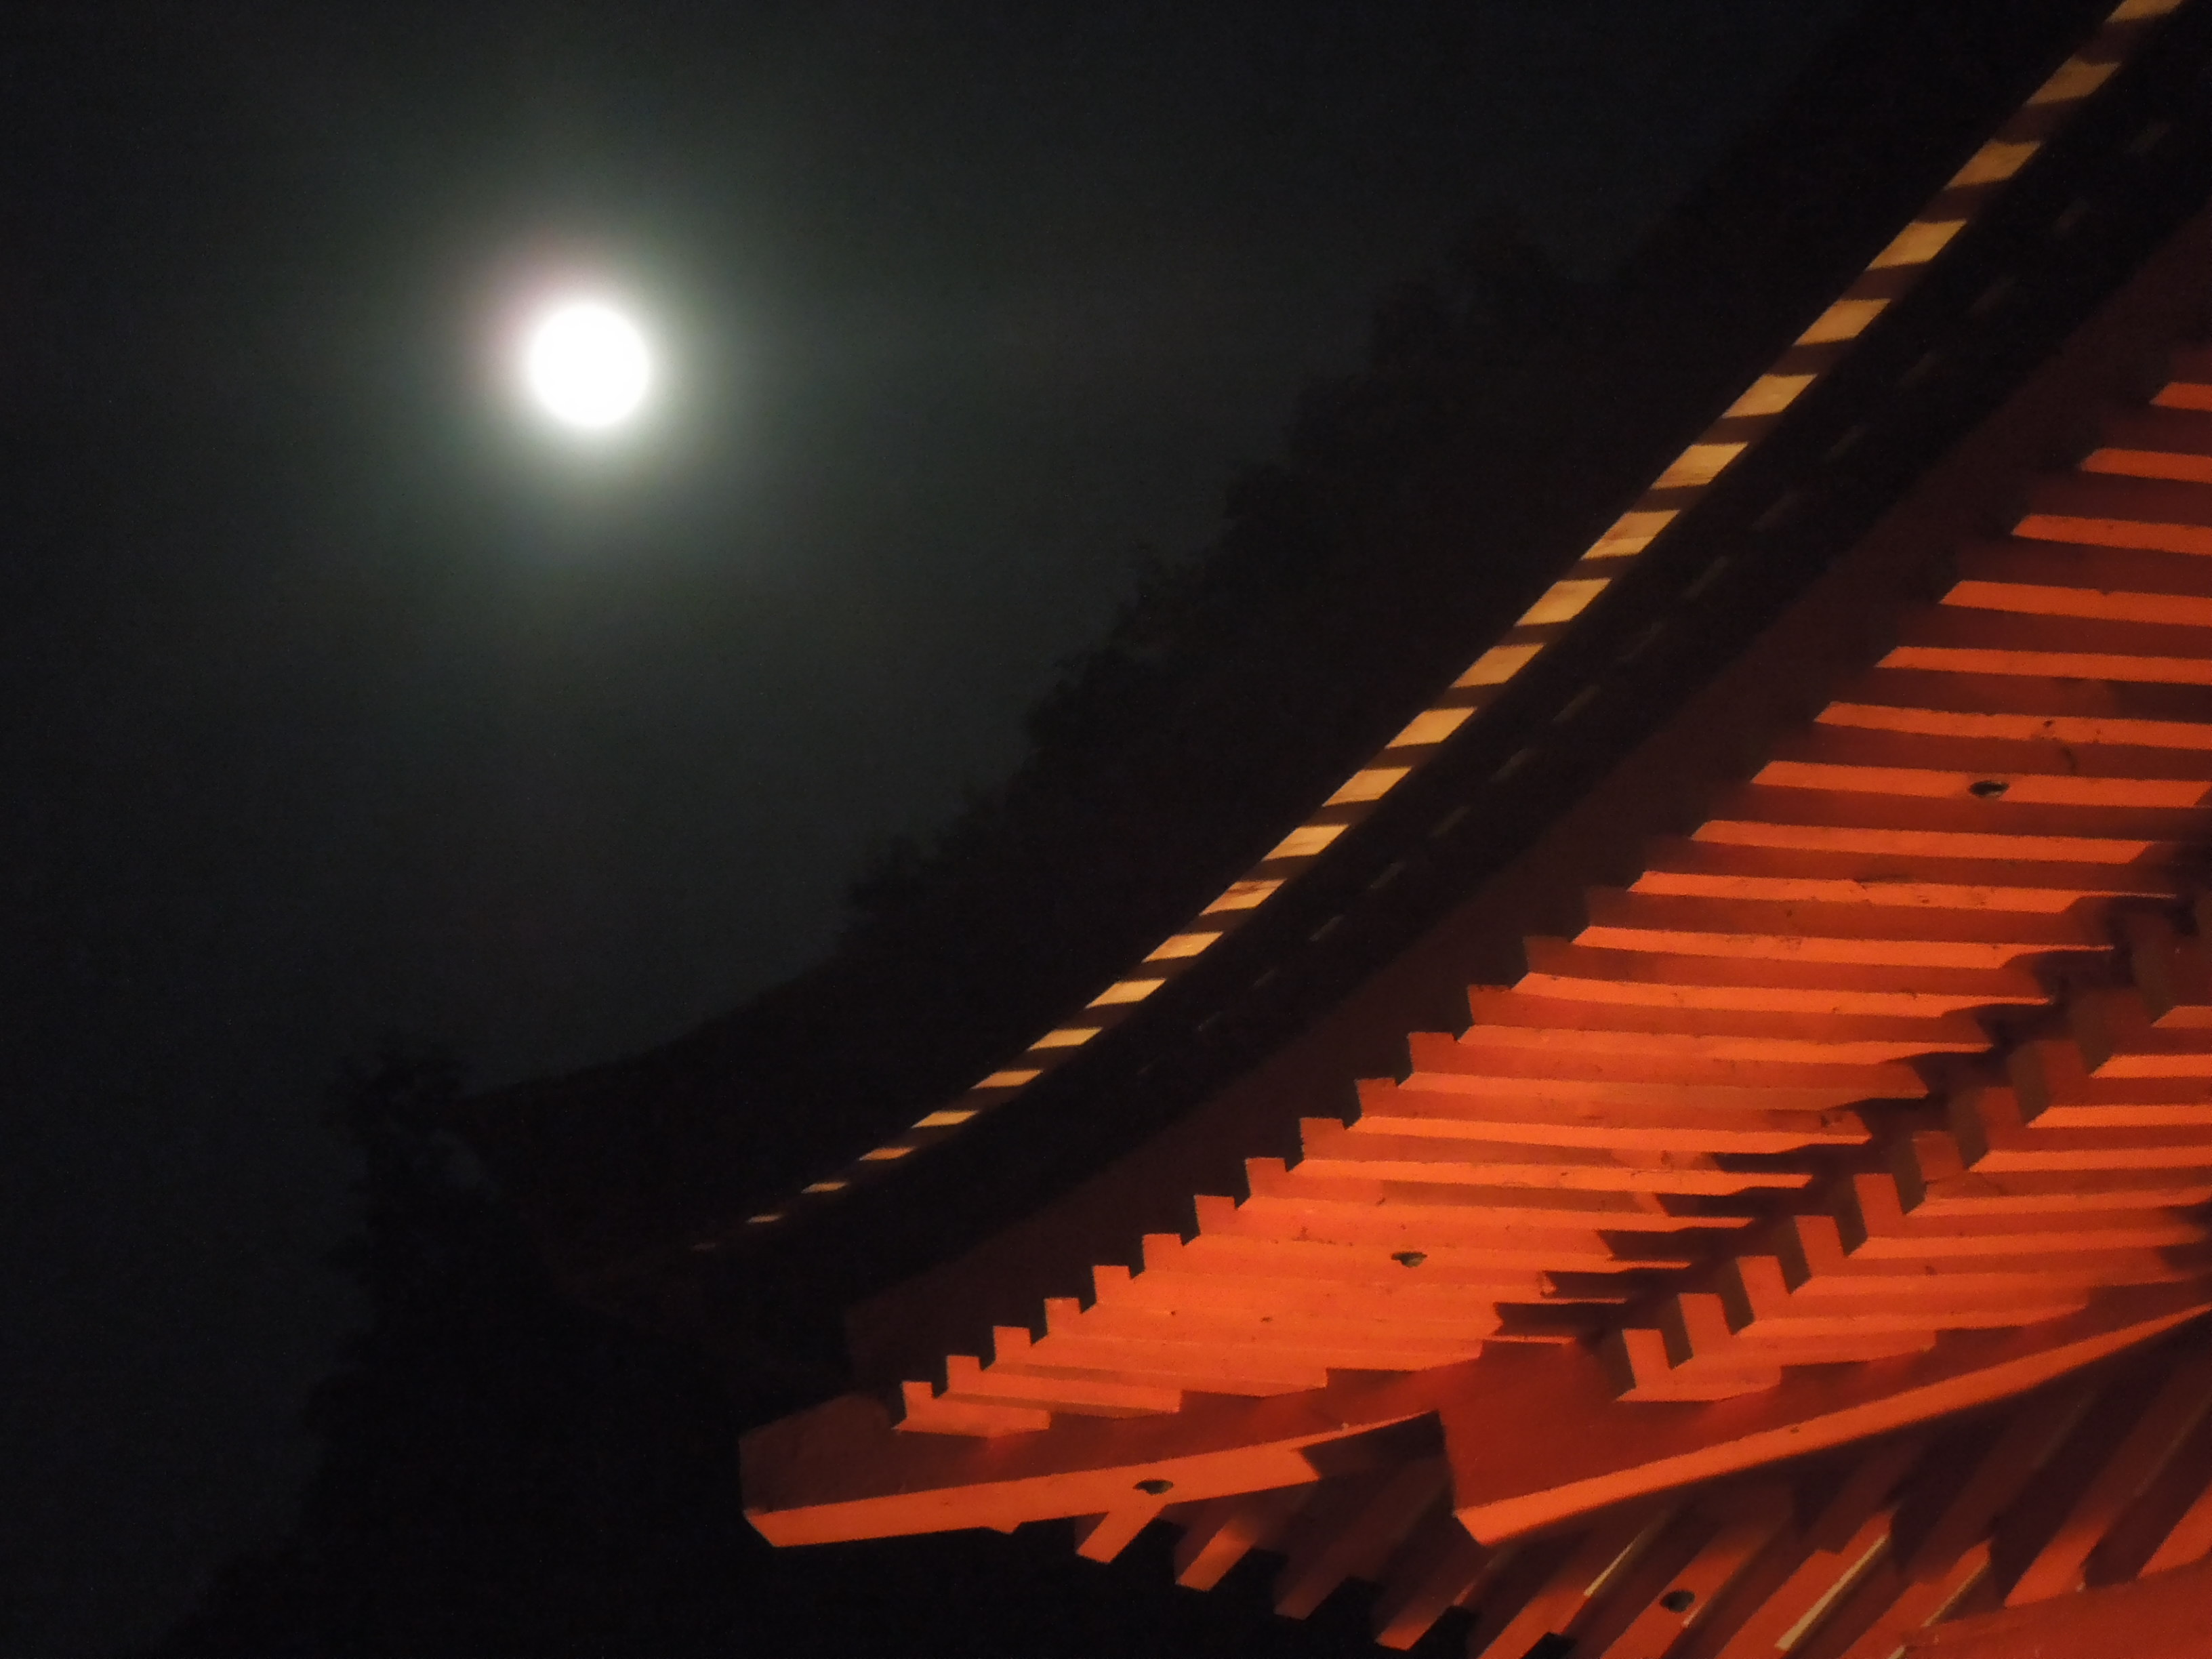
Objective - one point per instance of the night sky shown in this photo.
(341, 700)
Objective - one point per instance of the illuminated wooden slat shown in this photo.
(1648, 1614)
(2172, 974)
(2072, 647)
(2082, 599)
(1762, 1305)
(1104, 1537)
(1893, 936)
(1220, 1532)
(1994, 1141)
(2036, 1521)
(2154, 443)
(1489, 1208)
(2026, 708)
(1791, 875)
(1628, 1594)
(2152, 1516)
(1273, 1314)
(2040, 568)
(967, 1382)
(2114, 1037)
(1876, 1223)
(1506, 1628)
(1589, 1138)
(1198, 1279)
(2031, 768)
(1351, 1542)
(1527, 1019)
(1335, 1150)
(1949, 1512)
(1512, 1267)
(1689, 1353)
(925, 1413)
(2162, 1617)
(1871, 1622)
(2188, 1540)
(2056, 1090)
(1558, 968)
(1438, 1566)
(1802, 1565)
(1251, 1352)
(1815, 1263)
(2011, 830)
(2117, 853)
(1074, 1339)
(1814, 1582)
(1661, 1115)
(2111, 512)
(1486, 1059)
(1933, 1177)
(1351, 1237)
(2047, 1555)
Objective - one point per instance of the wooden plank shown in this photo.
(1949, 1513)
(2084, 565)
(1674, 1118)
(2104, 511)
(2153, 1514)
(1761, 1303)
(2161, 1618)
(2114, 1037)
(922, 1412)
(1994, 1133)
(1350, 1236)
(1814, 1262)
(2048, 1558)
(1671, 1589)
(2027, 708)
(1568, 1457)
(1872, 1621)
(1793, 874)
(1801, 1564)
(1932, 1176)
(1875, 1223)
(1910, 937)
(1104, 1537)
(1815, 1580)
(1222, 1531)
(1588, 1565)
(1478, 1063)
(1841, 1039)
(1968, 827)
(1986, 642)
(1352, 1540)
(969, 1382)
(1558, 968)
(1487, 1209)
(2055, 1089)
(1437, 1566)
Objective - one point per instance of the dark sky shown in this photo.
(338, 701)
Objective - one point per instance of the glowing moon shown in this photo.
(586, 364)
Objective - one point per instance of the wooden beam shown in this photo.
(1569, 1454)
(1671, 1032)
(2162, 1617)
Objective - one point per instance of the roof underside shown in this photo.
(1864, 1107)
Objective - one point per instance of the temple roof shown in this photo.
(1698, 1139)
(1805, 1241)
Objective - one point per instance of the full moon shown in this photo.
(586, 364)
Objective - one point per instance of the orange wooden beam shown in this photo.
(1568, 1456)
(2162, 1617)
